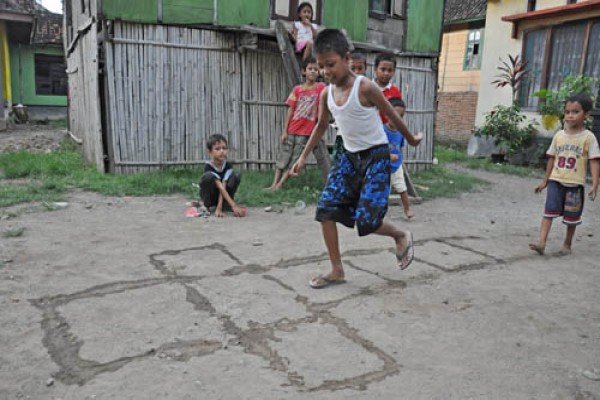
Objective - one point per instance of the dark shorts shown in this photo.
(357, 190)
(564, 201)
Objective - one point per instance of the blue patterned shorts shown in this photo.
(357, 190)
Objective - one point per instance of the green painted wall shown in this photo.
(23, 76)
(247, 12)
(131, 10)
(424, 25)
(338, 14)
(187, 11)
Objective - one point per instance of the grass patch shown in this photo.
(13, 232)
(50, 176)
(441, 182)
(446, 155)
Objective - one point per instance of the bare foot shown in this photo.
(270, 189)
(409, 214)
(537, 248)
(565, 251)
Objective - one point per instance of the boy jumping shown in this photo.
(568, 155)
(359, 182)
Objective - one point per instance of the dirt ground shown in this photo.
(34, 138)
(125, 298)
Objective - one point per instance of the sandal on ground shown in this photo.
(406, 257)
(322, 281)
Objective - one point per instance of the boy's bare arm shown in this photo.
(595, 170)
(316, 135)
(544, 183)
(374, 96)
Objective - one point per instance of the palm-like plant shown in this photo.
(512, 74)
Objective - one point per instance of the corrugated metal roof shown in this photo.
(17, 6)
(457, 11)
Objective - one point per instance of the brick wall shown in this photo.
(455, 117)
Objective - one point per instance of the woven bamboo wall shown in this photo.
(168, 88)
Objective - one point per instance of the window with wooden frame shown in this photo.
(472, 59)
(571, 1)
(555, 52)
(531, 5)
(288, 9)
(50, 75)
(382, 9)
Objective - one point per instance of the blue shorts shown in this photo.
(565, 201)
(357, 190)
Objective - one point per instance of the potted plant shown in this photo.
(510, 131)
(552, 102)
(505, 124)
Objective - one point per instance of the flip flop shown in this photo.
(409, 252)
(322, 281)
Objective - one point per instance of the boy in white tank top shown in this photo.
(358, 185)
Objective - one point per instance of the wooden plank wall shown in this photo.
(168, 88)
(82, 72)
(417, 80)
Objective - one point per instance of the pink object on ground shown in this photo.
(191, 212)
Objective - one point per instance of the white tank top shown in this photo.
(360, 126)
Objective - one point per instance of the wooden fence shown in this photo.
(168, 88)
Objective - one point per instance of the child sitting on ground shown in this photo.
(301, 118)
(304, 31)
(396, 144)
(219, 181)
(359, 181)
(568, 154)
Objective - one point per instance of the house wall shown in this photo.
(504, 44)
(389, 32)
(455, 117)
(458, 90)
(498, 45)
(23, 75)
(337, 14)
(424, 26)
(451, 76)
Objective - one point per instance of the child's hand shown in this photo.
(239, 211)
(297, 167)
(219, 212)
(284, 137)
(593, 193)
(393, 157)
(539, 188)
(417, 139)
(306, 21)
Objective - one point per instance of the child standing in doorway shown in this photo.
(304, 31)
(568, 156)
(301, 118)
(359, 181)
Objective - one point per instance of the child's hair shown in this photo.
(301, 6)
(309, 60)
(385, 57)
(214, 139)
(397, 102)
(357, 55)
(582, 98)
(332, 40)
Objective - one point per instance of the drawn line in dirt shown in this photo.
(64, 347)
